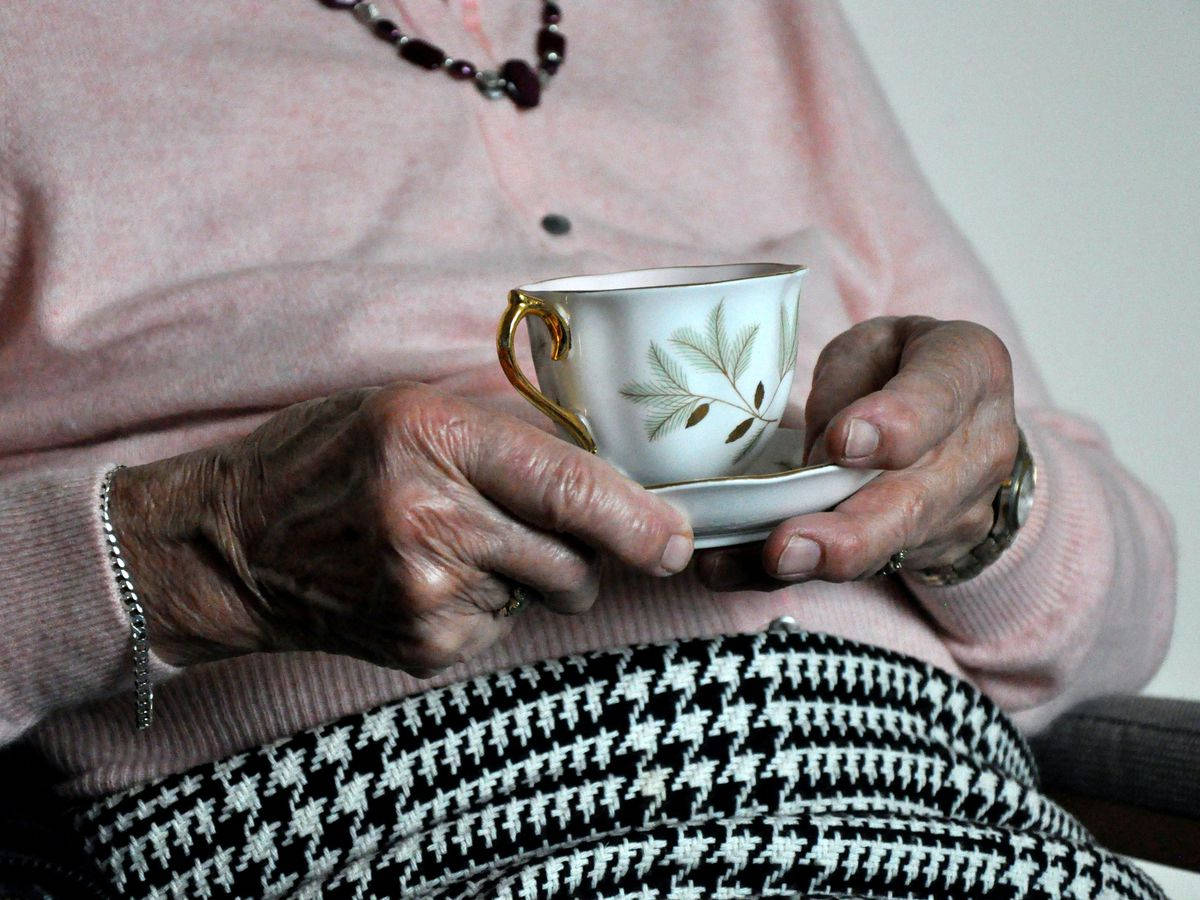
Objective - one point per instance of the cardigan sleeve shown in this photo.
(1082, 603)
(66, 633)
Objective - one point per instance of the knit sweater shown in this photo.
(211, 211)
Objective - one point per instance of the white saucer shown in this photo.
(743, 508)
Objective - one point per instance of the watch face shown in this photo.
(1024, 496)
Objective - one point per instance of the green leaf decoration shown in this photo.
(718, 337)
(668, 417)
(667, 397)
(739, 429)
(743, 344)
(713, 351)
(643, 393)
(695, 348)
(670, 380)
(789, 327)
(671, 403)
(667, 369)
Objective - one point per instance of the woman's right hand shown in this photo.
(380, 523)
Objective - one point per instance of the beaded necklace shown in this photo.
(516, 79)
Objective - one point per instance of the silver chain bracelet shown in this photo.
(142, 688)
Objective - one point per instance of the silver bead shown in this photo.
(366, 12)
(490, 84)
(784, 625)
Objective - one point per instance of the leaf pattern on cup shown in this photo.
(672, 404)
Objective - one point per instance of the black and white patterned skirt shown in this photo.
(776, 764)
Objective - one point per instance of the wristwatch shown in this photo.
(1013, 502)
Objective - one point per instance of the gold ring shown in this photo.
(894, 564)
(519, 597)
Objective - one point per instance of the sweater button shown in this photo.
(556, 224)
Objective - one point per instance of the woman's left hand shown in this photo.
(929, 402)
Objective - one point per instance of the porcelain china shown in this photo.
(669, 374)
(743, 508)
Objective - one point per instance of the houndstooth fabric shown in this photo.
(776, 764)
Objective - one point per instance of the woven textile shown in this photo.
(774, 764)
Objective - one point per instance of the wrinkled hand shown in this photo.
(931, 403)
(375, 523)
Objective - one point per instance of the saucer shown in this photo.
(739, 509)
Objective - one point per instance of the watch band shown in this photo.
(1016, 488)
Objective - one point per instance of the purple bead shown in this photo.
(552, 51)
(461, 70)
(521, 83)
(339, 4)
(551, 14)
(552, 48)
(551, 42)
(386, 29)
(423, 54)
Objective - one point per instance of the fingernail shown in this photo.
(861, 439)
(675, 557)
(800, 557)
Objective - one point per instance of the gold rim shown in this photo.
(783, 269)
(723, 478)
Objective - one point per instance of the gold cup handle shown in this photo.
(521, 305)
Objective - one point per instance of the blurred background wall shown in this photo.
(1065, 140)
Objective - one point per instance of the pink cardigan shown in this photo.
(209, 211)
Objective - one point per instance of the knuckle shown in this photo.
(1000, 452)
(418, 519)
(426, 589)
(903, 427)
(874, 332)
(997, 359)
(1001, 464)
(571, 575)
(389, 405)
(916, 326)
(435, 646)
(415, 415)
(990, 354)
(861, 336)
(564, 483)
(911, 509)
(870, 335)
(959, 389)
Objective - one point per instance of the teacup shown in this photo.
(670, 374)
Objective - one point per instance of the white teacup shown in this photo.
(670, 374)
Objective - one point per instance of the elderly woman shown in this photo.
(255, 254)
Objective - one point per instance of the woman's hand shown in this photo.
(931, 403)
(377, 523)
